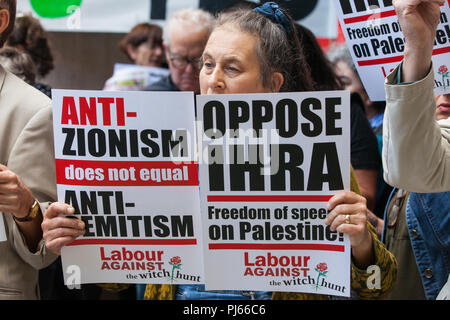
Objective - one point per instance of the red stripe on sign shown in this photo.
(397, 58)
(159, 242)
(131, 114)
(441, 50)
(375, 15)
(380, 61)
(126, 173)
(271, 198)
(276, 246)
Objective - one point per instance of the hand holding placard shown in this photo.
(58, 231)
(349, 215)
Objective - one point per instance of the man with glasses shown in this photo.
(185, 35)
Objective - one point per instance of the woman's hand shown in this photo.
(59, 230)
(348, 215)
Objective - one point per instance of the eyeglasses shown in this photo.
(180, 62)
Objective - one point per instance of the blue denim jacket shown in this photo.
(428, 221)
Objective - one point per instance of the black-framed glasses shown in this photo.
(180, 62)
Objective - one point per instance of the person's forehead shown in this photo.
(188, 40)
(231, 43)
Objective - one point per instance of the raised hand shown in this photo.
(418, 20)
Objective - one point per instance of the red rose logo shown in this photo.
(443, 71)
(175, 260)
(322, 267)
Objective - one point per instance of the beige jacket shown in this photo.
(416, 148)
(26, 148)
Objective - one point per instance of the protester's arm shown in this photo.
(31, 162)
(16, 199)
(377, 280)
(416, 150)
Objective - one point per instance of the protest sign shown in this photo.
(376, 43)
(126, 162)
(268, 164)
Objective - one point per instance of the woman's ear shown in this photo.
(4, 20)
(277, 81)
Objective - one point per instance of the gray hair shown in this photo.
(194, 19)
(18, 63)
(277, 51)
(341, 53)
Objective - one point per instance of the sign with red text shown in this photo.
(376, 43)
(126, 162)
(268, 164)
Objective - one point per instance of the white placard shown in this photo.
(126, 162)
(131, 77)
(264, 196)
(376, 44)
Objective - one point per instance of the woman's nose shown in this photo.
(216, 82)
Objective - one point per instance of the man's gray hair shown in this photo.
(341, 53)
(193, 19)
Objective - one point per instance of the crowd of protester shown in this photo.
(397, 213)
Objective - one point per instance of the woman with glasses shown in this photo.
(258, 51)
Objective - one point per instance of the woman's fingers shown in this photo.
(348, 215)
(345, 203)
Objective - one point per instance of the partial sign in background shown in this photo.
(376, 43)
(268, 165)
(120, 16)
(126, 162)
